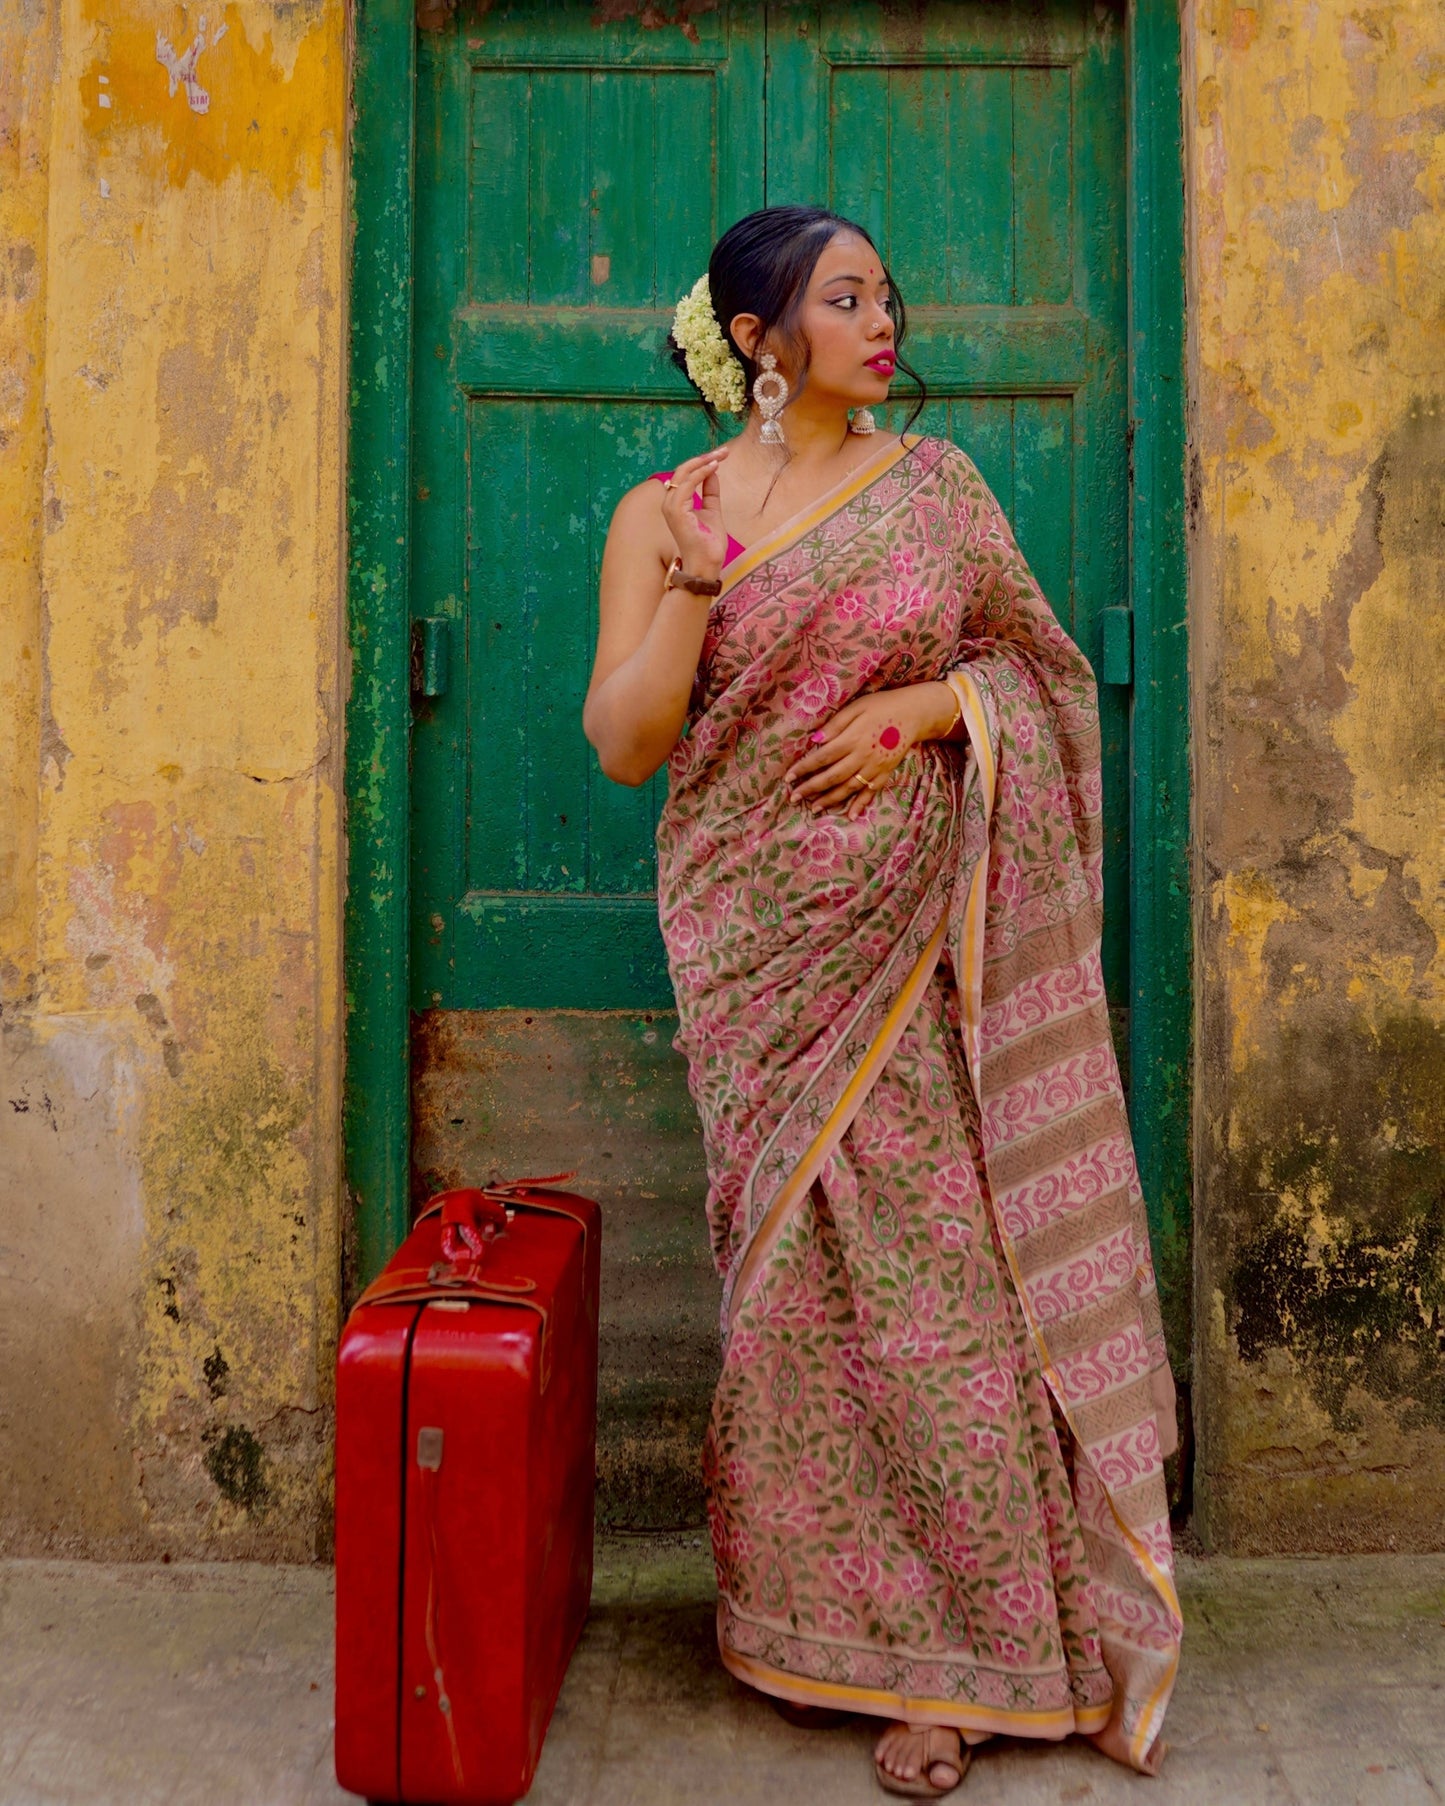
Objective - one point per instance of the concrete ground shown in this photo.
(1314, 1681)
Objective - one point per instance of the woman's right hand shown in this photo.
(699, 534)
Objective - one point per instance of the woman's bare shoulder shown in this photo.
(642, 502)
(638, 514)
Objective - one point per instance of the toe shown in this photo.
(894, 1752)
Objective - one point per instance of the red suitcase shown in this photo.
(466, 1419)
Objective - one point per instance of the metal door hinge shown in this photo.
(430, 655)
(1116, 665)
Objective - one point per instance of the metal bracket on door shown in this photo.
(430, 655)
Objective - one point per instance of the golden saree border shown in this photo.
(877, 1702)
(865, 1075)
(814, 514)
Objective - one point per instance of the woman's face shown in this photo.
(846, 320)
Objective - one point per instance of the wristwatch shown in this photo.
(677, 578)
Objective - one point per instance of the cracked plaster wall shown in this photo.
(1316, 149)
(172, 288)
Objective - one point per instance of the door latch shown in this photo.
(430, 655)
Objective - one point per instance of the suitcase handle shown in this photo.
(470, 1219)
(473, 1215)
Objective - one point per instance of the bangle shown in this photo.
(677, 578)
(957, 709)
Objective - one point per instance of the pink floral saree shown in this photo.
(935, 1456)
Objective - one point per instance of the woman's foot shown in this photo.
(920, 1761)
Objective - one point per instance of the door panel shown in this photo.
(571, 180)
(556, 856)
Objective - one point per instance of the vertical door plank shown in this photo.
(560, 201)
(859, 161)
(558, 635)
(620, 138)
(500, 593)
(919, 183)
(799, 107)
(593, 168)
(497, 179)
(685, 159)
(980, 192)
(1043, 505)
(1043, 181)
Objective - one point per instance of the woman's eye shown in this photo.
(848, 301)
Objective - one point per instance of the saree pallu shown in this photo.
(934, 1462)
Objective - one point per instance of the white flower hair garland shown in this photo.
(710, 361)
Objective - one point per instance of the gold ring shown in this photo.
(861, 781)
(669, 484)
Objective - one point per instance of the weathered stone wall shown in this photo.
(172, 288)
(1316, 150)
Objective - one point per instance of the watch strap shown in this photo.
(678, 578)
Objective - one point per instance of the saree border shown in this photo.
(970, 985)
(852, 1098)
(1086, 1721)
(790, 531)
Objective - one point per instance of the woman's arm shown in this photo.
(649, 638)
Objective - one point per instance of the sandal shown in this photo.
(921, 1787)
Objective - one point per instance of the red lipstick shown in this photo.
(885, 363)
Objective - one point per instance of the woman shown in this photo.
(935, 1455)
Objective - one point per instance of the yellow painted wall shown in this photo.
(1316, 152)
(172, 306)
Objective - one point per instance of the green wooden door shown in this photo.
(571, 179)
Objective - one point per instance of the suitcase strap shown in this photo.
(445, 1281)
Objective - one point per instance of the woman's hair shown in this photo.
(762, 265)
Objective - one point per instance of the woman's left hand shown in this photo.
(857, 752)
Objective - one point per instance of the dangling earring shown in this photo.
(863, 423)
(770, 392)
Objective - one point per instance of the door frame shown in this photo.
(377, 1113)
